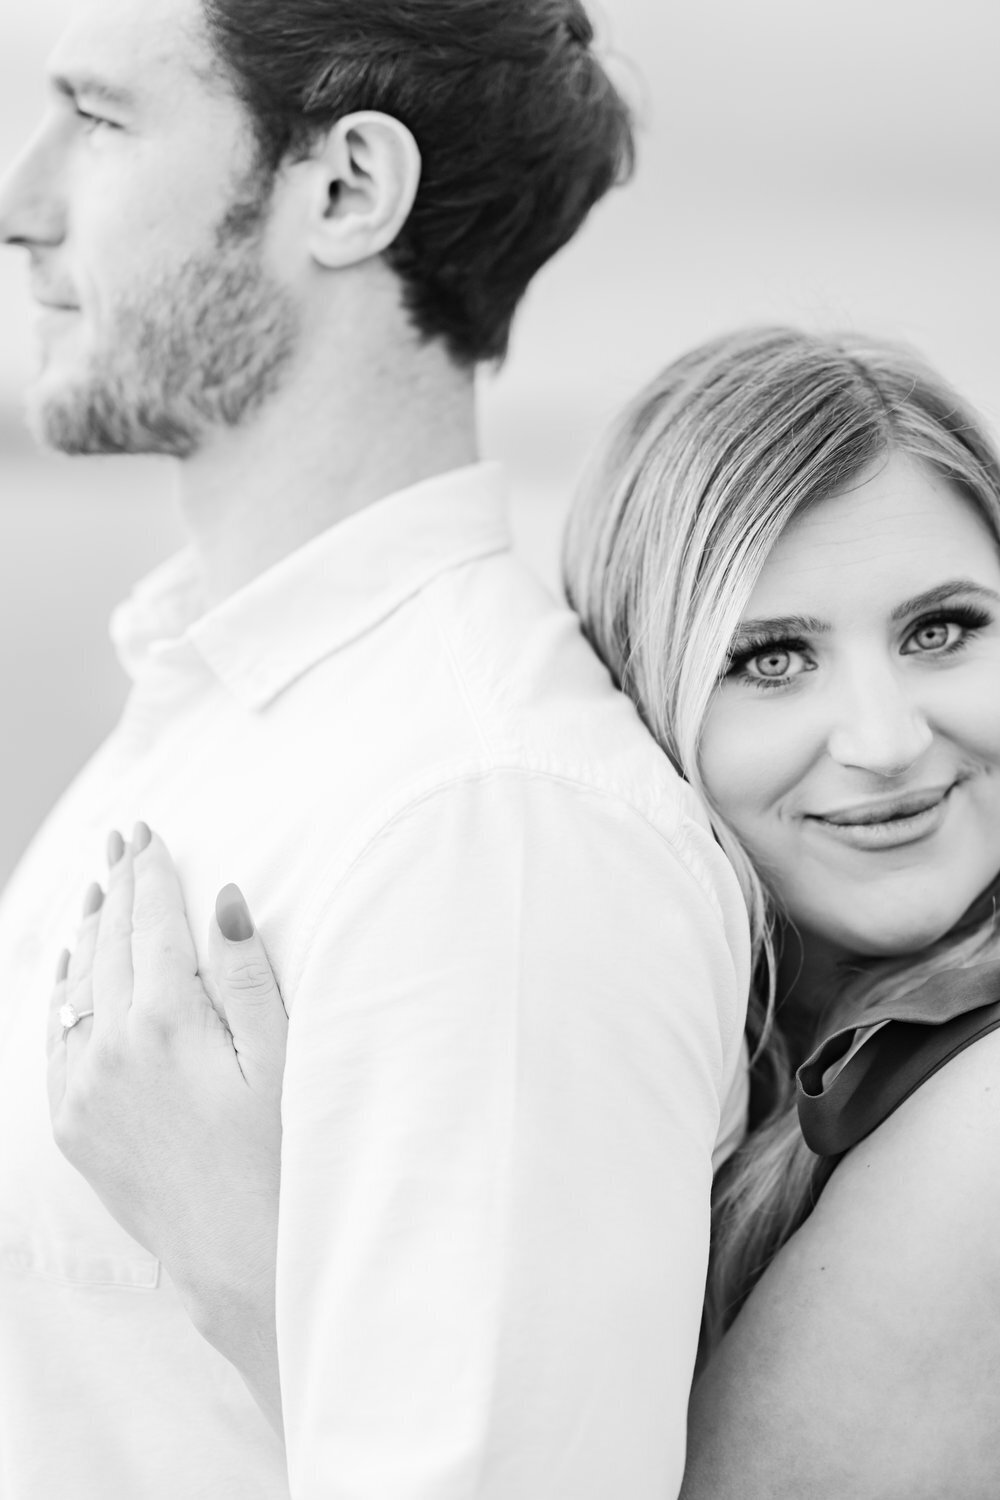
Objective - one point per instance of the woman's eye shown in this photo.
(769, 666)
(777, 663)
(933, 637)
(942, 637)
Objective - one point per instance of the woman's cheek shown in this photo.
(753, 756)
(963, 707)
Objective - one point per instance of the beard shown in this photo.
(203, 346)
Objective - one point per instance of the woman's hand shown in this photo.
(166, 1097)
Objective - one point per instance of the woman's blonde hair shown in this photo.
(663, 549)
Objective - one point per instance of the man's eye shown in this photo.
(91, 123)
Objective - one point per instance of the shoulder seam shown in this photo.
(675, 838)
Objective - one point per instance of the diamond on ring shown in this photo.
(69, 1016)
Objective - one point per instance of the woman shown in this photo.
(790, 558)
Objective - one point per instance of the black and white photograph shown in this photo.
(500, 751)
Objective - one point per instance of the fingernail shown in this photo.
(140, 837)
(116, 846)
(232, 914)
(62, 967)
(93, 900)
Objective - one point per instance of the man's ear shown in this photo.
(367, 172)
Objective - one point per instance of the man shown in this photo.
(274, 241)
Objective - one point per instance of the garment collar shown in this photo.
(865, 1069)
(322, 596)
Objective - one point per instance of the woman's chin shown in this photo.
(887, 939)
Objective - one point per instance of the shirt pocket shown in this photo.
(80, 1260)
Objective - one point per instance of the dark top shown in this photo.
(897, 1045)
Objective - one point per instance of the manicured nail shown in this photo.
(232, 914)
(93, 900)
(140, 837)
(116, 846)
(62, 967)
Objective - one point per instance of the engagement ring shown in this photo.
(69, 1017)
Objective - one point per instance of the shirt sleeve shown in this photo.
(507, 1052)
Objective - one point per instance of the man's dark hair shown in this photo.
(519, 127)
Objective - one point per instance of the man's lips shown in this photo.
(884, 809)
(51, 296)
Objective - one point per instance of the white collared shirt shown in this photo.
(516, 966)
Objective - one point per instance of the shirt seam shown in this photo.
(460, 678)
(676, 841)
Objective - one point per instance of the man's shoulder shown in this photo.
(481, 673)
(480, 688)
(538, 693)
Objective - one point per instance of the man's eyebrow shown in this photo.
(782, 625)
(90, 86)
(941, 593)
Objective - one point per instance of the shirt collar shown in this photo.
(322, 596)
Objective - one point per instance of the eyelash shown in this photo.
(91, 122)
(760, 648)
(967, 616)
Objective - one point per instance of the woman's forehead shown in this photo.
(897, 532)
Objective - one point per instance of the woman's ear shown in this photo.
(366, 174)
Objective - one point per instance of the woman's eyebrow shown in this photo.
(774, 625)
(941, 593)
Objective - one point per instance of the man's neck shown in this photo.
(317, 453)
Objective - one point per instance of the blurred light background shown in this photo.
(829, 165)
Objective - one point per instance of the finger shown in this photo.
(245, 986)
(163, 953)
(55, 1050)
(75, 971)
(57, 999)
(116, 847)
(111, 986)
(80, 972)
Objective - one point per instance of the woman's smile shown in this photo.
(853, 744)
(889, 823)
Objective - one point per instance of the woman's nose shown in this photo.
(879, 728)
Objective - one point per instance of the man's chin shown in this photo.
(55, 425)
(87, 419)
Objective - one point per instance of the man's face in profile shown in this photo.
(144, 213)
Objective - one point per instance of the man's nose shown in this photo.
(32, 208)
(879, 726)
